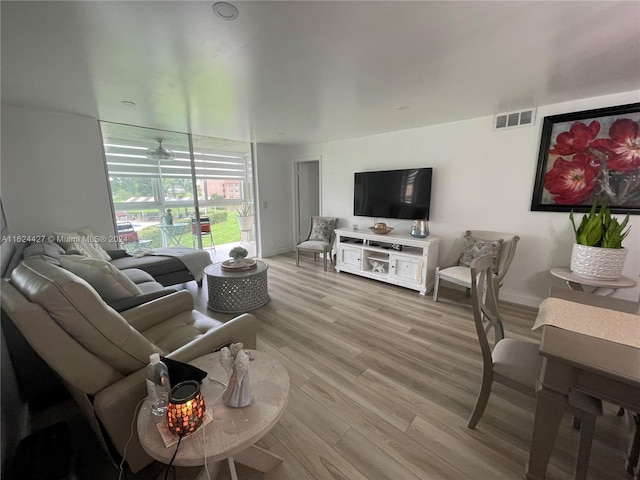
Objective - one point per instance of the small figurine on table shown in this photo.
(377, 266)
(238, 392)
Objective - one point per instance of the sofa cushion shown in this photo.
(137, 276)
(145, 282)
(82, 242)
(180, 330)
(154, 265)
(83, 315)
(50, 251)
(108, 281)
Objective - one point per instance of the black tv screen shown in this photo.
(402, 194)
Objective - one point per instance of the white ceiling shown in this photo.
(304, 71)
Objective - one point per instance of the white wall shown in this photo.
(482, 180)
(53, 173)
(53, 178)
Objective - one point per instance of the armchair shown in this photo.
(101, 354)
(477, 242)
(319, 240)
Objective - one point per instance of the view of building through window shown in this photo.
(162, 182)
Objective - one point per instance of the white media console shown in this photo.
(396, 258)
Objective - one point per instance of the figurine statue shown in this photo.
(377, 266)
(238, 392)
(226, 360)
(234, 348)
(227, 356)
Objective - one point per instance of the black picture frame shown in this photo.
(589, 156)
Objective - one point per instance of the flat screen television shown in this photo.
(404, 194)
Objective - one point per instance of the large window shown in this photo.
(161, 196)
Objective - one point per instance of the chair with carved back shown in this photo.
(516, 363)
(477, 242)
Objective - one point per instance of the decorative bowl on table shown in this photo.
(380, 228)
(232, 266)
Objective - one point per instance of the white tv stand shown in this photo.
(396, 258)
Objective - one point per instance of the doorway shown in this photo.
(307, 193)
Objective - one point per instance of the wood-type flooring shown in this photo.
(383, 381)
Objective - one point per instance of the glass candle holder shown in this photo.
(186, 408)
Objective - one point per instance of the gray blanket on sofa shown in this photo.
(194, 259)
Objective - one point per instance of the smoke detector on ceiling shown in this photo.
(225, 10)
(522, 118)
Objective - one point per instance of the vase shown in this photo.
(420, 229)
(245, 223)
(597, 262)
(240, 262)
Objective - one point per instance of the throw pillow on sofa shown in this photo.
(107, 280)
(50, 251)
(81, 242)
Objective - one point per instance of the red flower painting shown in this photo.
(577, 139)
(571, 182)
(623, 146)
(586, 157)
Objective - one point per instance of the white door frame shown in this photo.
(296, 205)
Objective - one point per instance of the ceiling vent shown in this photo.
(523, 118)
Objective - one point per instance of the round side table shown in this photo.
(232, 432)
(237, 292)
(600, 287)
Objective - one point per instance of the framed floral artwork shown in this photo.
(590, 156)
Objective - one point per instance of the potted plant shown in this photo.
(598, 251)
(245, 216)
(238, 254)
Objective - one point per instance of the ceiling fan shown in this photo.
(160, 153)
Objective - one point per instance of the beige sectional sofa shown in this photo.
(101, 354)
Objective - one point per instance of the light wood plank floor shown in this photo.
(383, 381)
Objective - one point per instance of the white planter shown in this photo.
(245, 223)
(597, 262)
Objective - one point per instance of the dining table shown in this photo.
(590, 344)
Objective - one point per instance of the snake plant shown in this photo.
(599, 229)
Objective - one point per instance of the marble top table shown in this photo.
(231, 432)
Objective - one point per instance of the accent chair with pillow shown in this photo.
(319, 240)
(501, 246)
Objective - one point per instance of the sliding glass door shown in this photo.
(175, 189)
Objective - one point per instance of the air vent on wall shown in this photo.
(523, 118)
